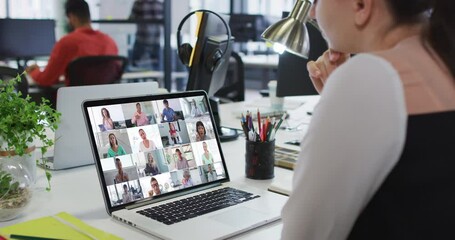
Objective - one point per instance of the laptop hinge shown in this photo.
(170, 196)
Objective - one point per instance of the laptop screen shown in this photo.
(150, 146)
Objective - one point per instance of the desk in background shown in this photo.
(159, 75)
(267, 65)
(77, 191)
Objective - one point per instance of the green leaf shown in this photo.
(21, 122)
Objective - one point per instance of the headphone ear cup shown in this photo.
(184, 52)
(214, 60)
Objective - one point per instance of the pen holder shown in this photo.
(260, 160)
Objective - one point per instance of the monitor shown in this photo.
(26, 38)
(201, 77)
(211, 38)
(293, 77)
(247, 27)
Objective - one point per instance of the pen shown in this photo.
(23, 237)
(277, 126)
(245, 129)
(259, 124)
(269, 132)
(279, 122)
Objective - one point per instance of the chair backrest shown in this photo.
(92, 70)
(7, 73)
(234, 85)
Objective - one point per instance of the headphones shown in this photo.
(215, 58)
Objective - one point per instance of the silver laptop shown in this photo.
(157, 177)
(72, 147)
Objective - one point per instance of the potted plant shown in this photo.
(22, 122)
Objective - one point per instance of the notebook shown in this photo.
(72, 148)
(59, 226)
(148, 173)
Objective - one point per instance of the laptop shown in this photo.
(167, 186)
(72, 147)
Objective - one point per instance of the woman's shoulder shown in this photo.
(365, 70)
(365, 81)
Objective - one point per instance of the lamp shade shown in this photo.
(291, 31)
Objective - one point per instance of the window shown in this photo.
(30, 8)
(266, 7)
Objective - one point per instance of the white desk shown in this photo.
(77, 191)
(152, 74)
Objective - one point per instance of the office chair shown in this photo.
(93, 70)
(234, 86)
(7, 73)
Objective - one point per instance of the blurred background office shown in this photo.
(248, 19)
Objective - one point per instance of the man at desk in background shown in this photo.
(148, 35)
(83, 41)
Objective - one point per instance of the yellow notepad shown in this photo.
(59, 226)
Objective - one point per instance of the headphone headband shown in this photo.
(228, 30)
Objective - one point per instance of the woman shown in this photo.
(155, 187)
(115, 149)
(195, 111)
(151, 168)
(207, 157)
(108, 124)
(126, 196)
(201, 133)
(121, 176)
(173, 133)
(146, 145)
(182, 162)
(211, 173)
(368, 168)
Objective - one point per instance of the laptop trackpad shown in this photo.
(231, 218)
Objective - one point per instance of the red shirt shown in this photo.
(81, 42)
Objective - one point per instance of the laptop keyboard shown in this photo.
(197, 205)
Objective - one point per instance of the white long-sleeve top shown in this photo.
(356, 136)
(357, 133)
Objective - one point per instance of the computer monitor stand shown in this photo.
(225, 134)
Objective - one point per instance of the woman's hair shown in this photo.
(116, 141)
(153, 179)
(186, 173)
(107, 113)
(440, 32)
(140, 129)
(199, 123)
(153, 160)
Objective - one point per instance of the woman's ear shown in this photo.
(312, 13)
(362, 11)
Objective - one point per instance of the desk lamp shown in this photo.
(290, 33)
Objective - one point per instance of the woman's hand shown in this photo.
(320, 69)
